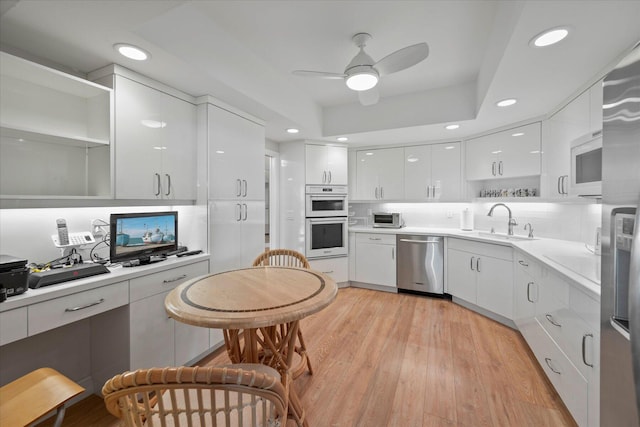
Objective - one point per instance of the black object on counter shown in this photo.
(13, 275)
(65, 274)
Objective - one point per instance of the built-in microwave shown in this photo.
(325, 201)
(326, 237)
(586, 166)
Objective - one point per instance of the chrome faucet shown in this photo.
(512, 220)
(530, 229)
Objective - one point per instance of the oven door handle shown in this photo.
(326, 220)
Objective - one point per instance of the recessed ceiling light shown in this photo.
(449, 147)
(293, 130)
(517, 134)
(549, 37)
(369, 153)
(451, 127)
(342, 138)
(506, 102)
(132, 52)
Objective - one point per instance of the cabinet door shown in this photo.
(376, 264)
(481, 158)
(179, 154)
(191, 341)
(236, 156)
(138, 141)
(391, 173)
(519, 151)
(367, 181)
(495, 285)
(316, 170)
(237, 234)
(151, 333)
(337, 160)
(461, 275)
(446, 170)
(525, 296)
(417, 172)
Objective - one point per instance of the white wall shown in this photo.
(26, 233)
(565, 221)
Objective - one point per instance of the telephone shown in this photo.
(75, 239)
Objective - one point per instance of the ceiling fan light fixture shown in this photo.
(362, 78)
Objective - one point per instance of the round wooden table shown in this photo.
(259, 309)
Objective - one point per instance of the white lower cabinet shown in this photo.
(376, 259)
(336, 268)
(13, 325)
(482, 274)
(561, 325)
(154, 338)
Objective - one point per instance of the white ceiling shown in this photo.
(243, 52)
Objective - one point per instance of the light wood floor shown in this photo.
(382, 359)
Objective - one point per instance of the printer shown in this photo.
(14, 275)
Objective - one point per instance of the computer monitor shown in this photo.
(146, 236)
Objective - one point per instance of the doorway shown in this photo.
(271, 199)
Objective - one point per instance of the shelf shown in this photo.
(18, 133)
(22, 69)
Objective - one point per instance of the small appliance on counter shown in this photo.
(387, 220)
(14, 275)
(466, 220)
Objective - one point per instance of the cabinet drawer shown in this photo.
(585, 307)
(383, 239)
(163, 281)
(568, 382)
(529, 265)
(485, 249)
(61, 311)
(336, 268)
(13, 325)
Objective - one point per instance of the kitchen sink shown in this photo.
(501, 236)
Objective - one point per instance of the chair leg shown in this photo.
(59, 416)
(303, 349)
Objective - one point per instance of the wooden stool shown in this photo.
(32, 396)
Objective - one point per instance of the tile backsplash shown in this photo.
(565, 221)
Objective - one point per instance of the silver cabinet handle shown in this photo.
(382, 192)
(246, 214)
(244, 193)
(428, 192)
(552, 320)
(324, 177)
(376, 192)
(82, 307)
(529, 292)
(168, 184)
(584, 350)
(560, 185)
(375, 238)
(238, 187)
(493, 168)
(564, 184)
(238, 212)
(158, 183)
(175, 279)
(522, 263)
(471, 263)
(329, 177)
(478, 264)
(393, 253)
(500, 168)
(548, 361)
(327, 272)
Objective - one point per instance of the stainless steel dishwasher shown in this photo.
(420, 263)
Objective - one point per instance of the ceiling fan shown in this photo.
(362, 73)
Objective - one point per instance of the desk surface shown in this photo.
(251, 298)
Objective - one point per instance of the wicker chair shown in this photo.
(288, 258)
(235, 395)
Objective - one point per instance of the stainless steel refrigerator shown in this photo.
(620, 307)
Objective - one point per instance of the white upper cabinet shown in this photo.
(155, 143)
(326, 164)
(506, 154)
(432, 172)
(55, 126)
(236, 156)
(580, 117)
(380, 174)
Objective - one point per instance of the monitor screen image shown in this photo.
(142, 235)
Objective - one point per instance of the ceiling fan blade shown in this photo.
(318, 74)
(369, 97)
(402, 59)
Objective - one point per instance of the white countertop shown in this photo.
(117, 274)
(570, 259)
